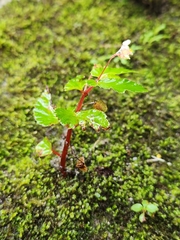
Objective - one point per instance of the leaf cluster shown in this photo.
(46, 115)
(150, 208)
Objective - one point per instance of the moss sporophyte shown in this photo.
(103, 77)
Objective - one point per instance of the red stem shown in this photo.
(56, 153)
(64, 152)
(80, 103)
(84, 94)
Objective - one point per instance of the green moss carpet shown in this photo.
(46, 43)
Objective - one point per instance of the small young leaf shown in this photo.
(137, 207)
(44, 147)
(91, 82)
(152, 208)
(96, 71)
(142, 217)
(109, 71)
(94, 117)
(75, 83)
(67, 117)
(121, 85)
(78, 84)
(43, 112)
(145, 203)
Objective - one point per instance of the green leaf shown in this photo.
(121, 85)
(78, 84)
(94, 117)
(75, 83)
(92, 83)
(95, 72)
(43, 112)
(145, 203)
(44, 147)
(67, 117)
(152, 208)
(142, 217)
(137, 207)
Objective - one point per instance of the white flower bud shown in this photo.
(125, 52)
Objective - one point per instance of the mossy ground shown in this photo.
(45, 43)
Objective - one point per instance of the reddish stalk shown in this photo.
(84, 94)
(64, 152)
(113, 56)
(56, 153)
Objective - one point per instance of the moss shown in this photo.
(43, 45)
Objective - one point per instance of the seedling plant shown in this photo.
(102, 77)
(145, 207)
